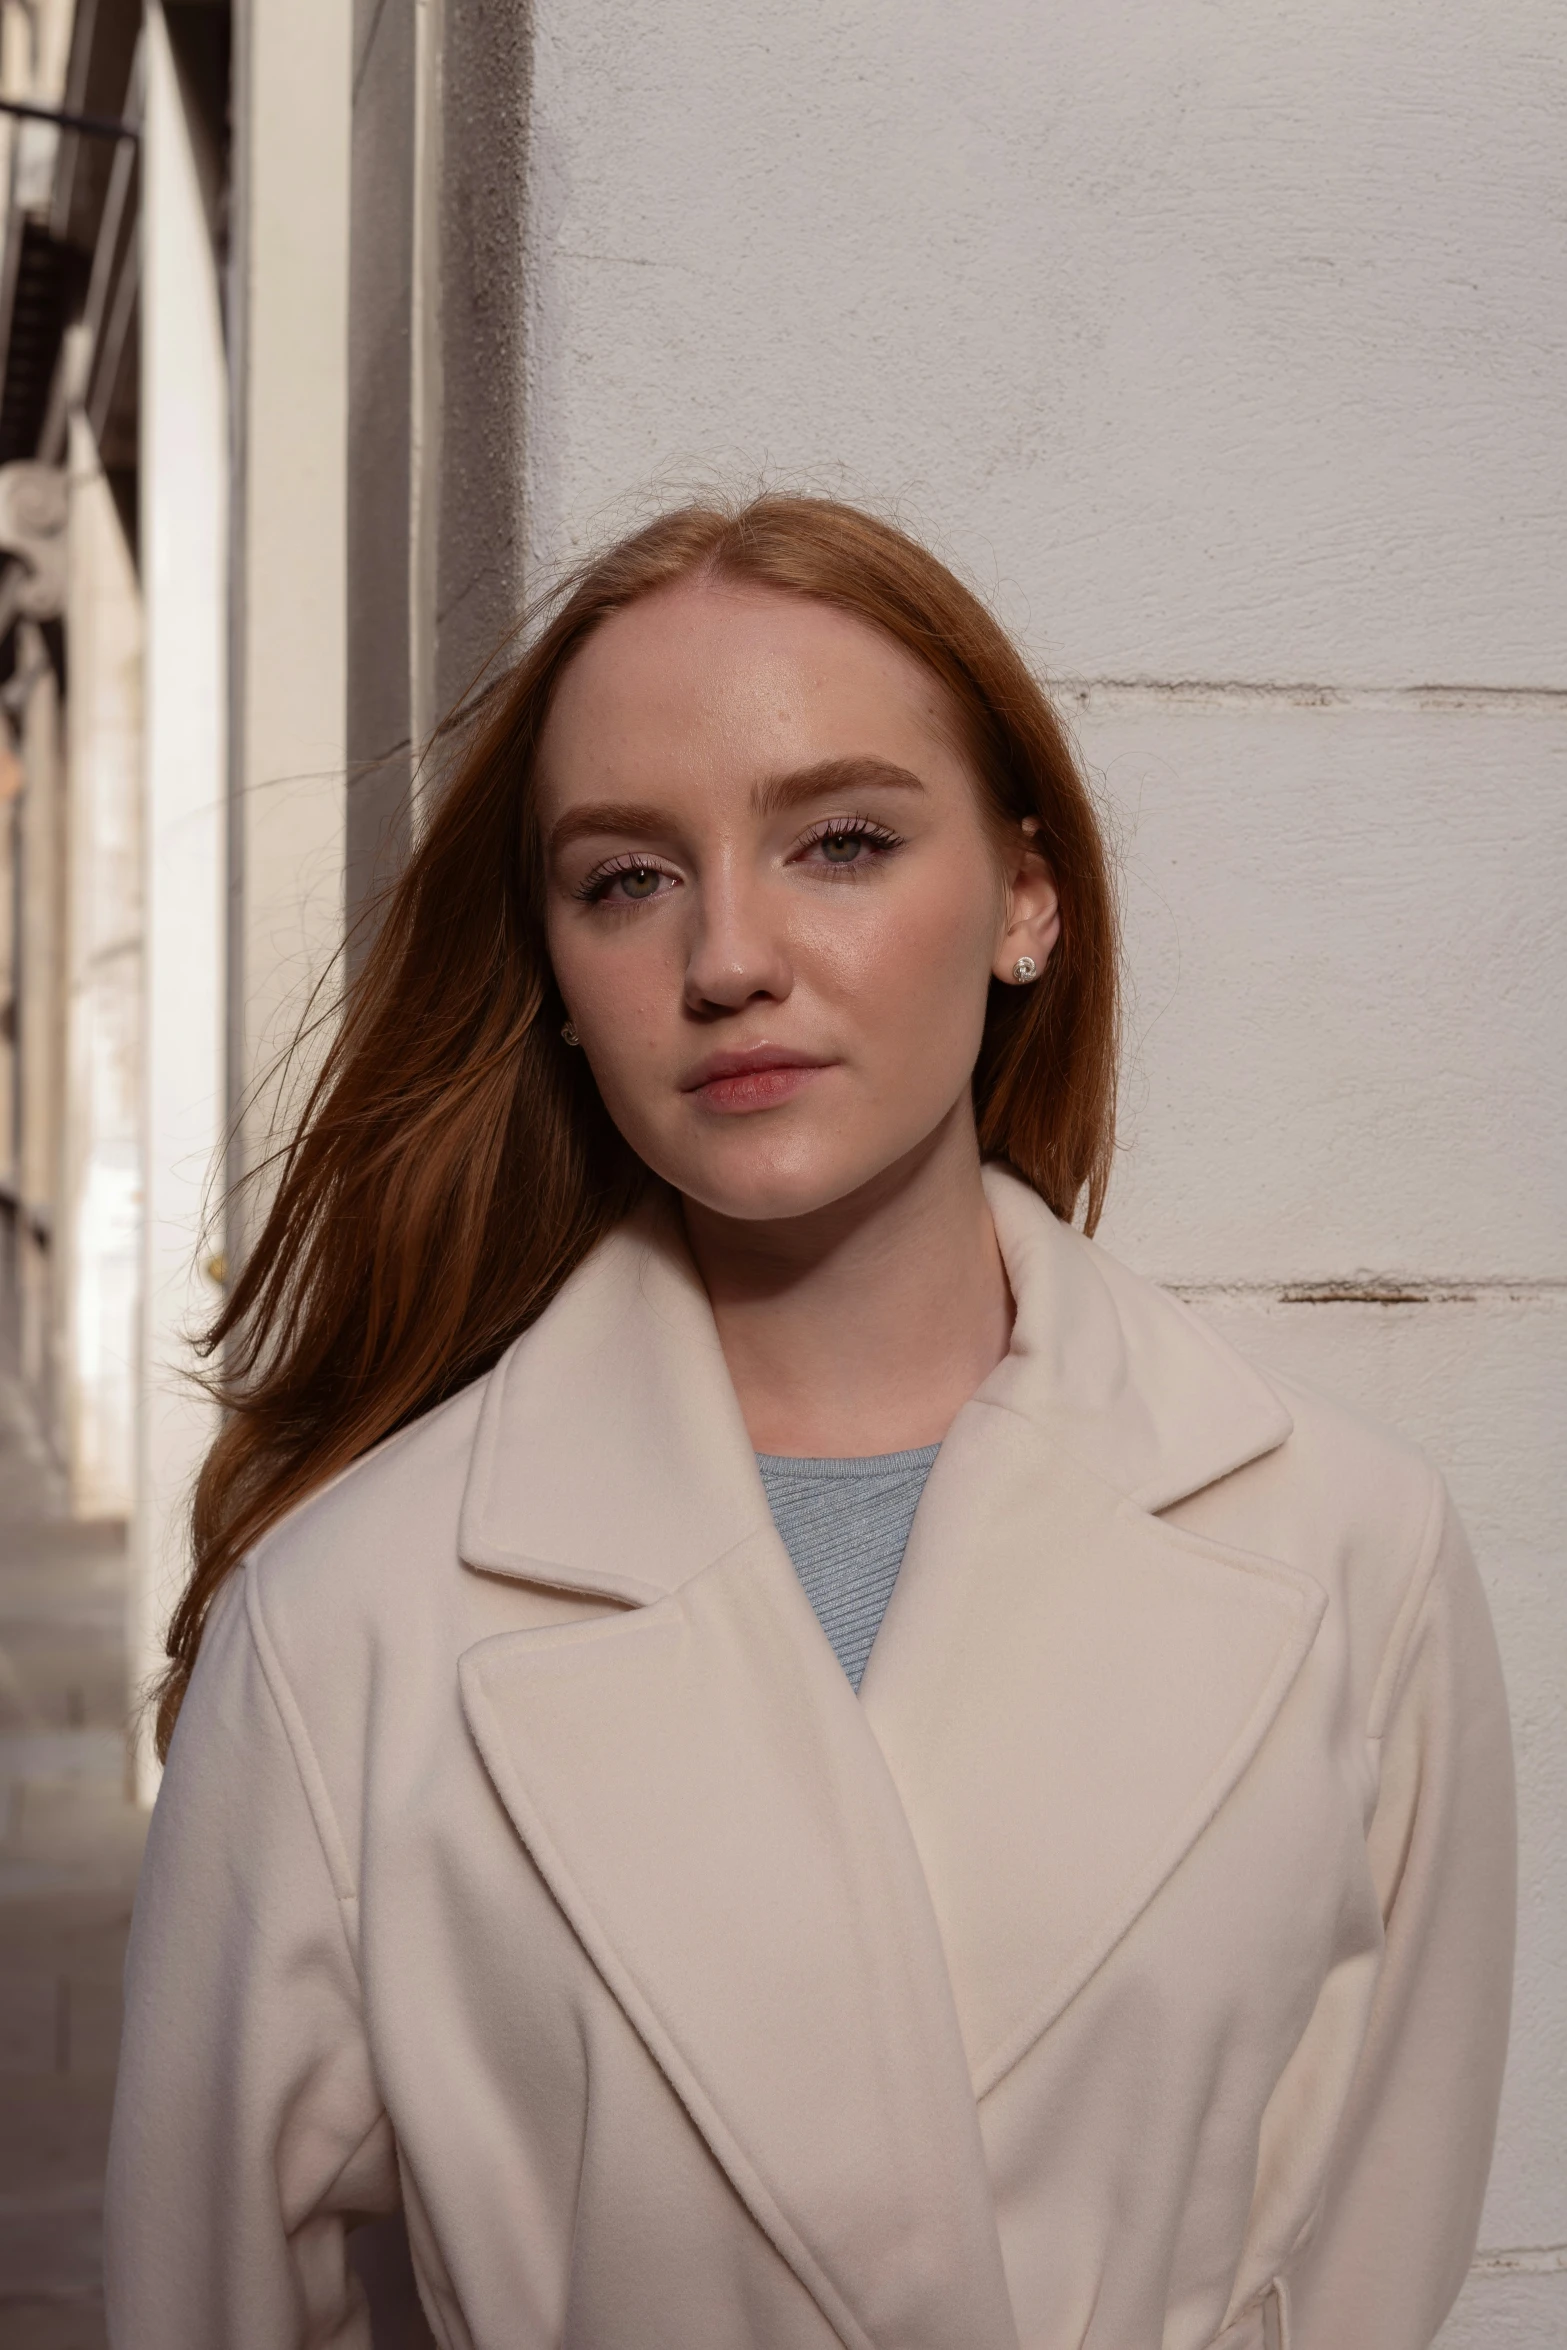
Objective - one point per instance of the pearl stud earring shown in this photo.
(1025, 969)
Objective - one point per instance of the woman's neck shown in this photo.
(866, 1326)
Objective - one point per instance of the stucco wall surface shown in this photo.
(1224, 349)
(1223, 337)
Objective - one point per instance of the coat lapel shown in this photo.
(1066, 1687)
(833, 1922)
(697, 1784)
(1065, 1691)
(698, 1787)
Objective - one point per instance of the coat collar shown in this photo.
(835, 1923)
(1117, 1372)
(611, 1456)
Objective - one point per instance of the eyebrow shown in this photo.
(772, 797)
(828, 778)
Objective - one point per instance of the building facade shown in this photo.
(1223, 349)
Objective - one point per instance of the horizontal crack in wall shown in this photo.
(1367, 1289)
(1091, 693)
(1524, 2260)
(1370, 1293)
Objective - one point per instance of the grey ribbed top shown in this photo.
(846, 1525)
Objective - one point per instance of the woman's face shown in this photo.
(774, 907)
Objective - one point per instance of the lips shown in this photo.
(756, 1077)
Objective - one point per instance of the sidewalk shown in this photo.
(69, 1847)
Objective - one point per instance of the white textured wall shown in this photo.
(1224, 346)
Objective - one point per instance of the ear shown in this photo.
(1032, 921)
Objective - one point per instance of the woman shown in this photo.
(1124, 1962)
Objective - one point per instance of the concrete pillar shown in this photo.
(478, 240)
(33, 694)
(101, 1179)
(440, 127)
(10, 797)
(287, 821)
(32, 534)
(380, 484)
(185, 501)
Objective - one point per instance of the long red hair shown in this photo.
(454, 1162)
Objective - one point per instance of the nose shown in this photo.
(738, 955)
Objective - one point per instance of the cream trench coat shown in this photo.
(1127, 1969)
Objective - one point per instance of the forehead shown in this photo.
(709, 682)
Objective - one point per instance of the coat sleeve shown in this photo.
(1398, 2222)
(247, 2126)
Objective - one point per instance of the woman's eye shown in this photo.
(625, 885)
(848, 847)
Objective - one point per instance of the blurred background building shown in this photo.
(1222, 348)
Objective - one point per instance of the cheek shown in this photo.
(916, 961)
(614, 974)
(624, 983)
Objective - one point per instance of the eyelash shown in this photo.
(875, 836)
(595, 889)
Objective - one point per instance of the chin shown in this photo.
(765, 1202)
(763, 1191)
